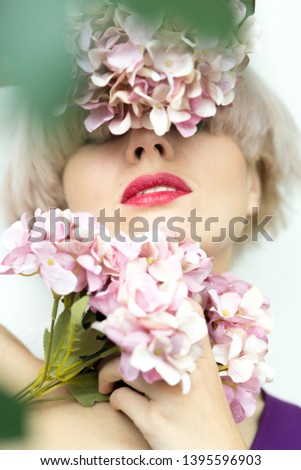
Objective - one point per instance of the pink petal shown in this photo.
(241, 370)
(186, 131)
(132, 340)
(96, 57)
(85, 37)
(98, 116)
(151, 376)
(216, 93)
(120, 126)
(249, 34)
(237, 411)
(95, 282)
(255, 346)
(127, 370)
(252, 299)
(165, 271)
(168, 373)
(195, 328)
(85, 64)
(101, 80)
(229, 303)
(236, 346)
(176, 62)
(177, 116)
(106, 301)
(61, 281)
(221, 352)
(124, 57)
(88, 263)
(239, 11)
(16, 235)
(43, 250)
(150, 73)
(247, 401)
(6, 270)
(203, 107)
(138, 30)
(159, 120)
(142, 359)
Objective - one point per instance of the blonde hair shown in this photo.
(257, 120)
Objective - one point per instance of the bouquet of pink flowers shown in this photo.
(131, 298)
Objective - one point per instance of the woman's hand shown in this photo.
(170, 420)
(61, 424)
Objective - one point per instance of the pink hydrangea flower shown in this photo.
(242, 398)
(51, 248)
(20, 259)
(135, 74)
(55, 268)
(239, 322)
(158, 345)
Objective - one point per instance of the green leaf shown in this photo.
(65, 320)
(69, 300)
(59, 331)
(11, 418)
(213, 18)
(89, 318)
(46, 339)
(84, 388)
(251, 5)
(72, 343)
(87, 339)
(62, 345)
(89, 343)
(42, 60)
(78, 310)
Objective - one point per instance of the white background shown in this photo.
(275, 266)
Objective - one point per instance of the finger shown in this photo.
(132, 404)
(196, 307)
(108, 375)
(205, 342)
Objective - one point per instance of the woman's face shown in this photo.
(216, 187)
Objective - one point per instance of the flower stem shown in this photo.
(56, 300)
(48, 387)
(23, 392)
(50, 400)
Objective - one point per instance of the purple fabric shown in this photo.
(279, 427)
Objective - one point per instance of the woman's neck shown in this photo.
(222, 260)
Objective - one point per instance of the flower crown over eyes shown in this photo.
(133, 73)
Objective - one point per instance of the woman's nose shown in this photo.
(146, 144)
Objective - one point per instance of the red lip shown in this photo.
(142, 183)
